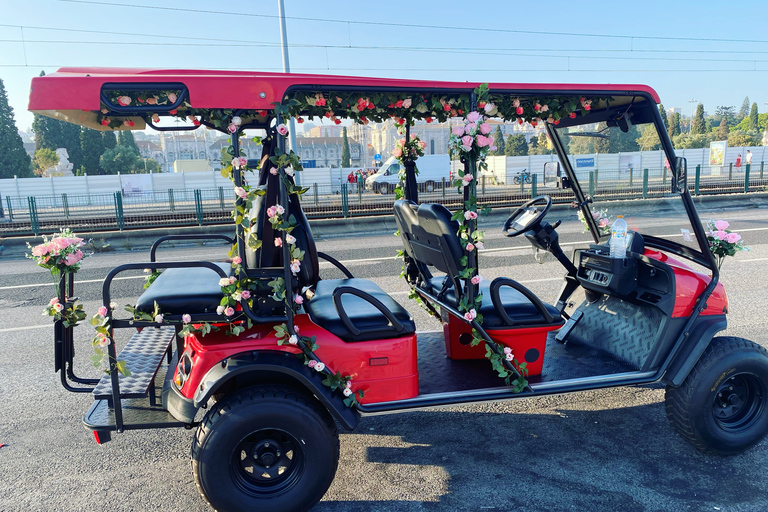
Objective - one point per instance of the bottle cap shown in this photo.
(619, 216)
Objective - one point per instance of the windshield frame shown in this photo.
(703, 256)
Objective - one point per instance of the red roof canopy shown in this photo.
(79, 88)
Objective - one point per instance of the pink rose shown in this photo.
(519, 111)
(397, 152)
(232, 128)
(545, 108)
(473, 117)
(290, 239)
(232, 279)
(298, 299)
(466, 141)
(485, 128)
(477, 279)
(479, 245)
(470, 247)
(240, 192)
(172, 97)
(123, 101)
(159, 319)
(271, 211)
(278, 241)
(407, 103)
(60, 243)
(155, 118)
(273, 171)
(732, 238)
(40, 250)
(488, 107)
(295, 266)
(311, 363)
(70, 259)
(483, 141)
(54, 300)
(603, 223)
(151, 100)
(282, 130)
(470, 128)
(279, 209)
(58, 307)
(467, 178)
(721, 225)
(509, 357)
(470, 215)
(720, 235)
(186, 318)
(458, 131)
(516, 103)
(102, 311)
(470, 315)
(246, 294)
(422, 144)
(237, 260)
(536, 107)
(229, 311)
(507, 350)
(103, 341)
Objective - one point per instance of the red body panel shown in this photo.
(78, 88)
(688, 285)
(398, 379)
(527, 344)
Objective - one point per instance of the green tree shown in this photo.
(744, 110)
(498, 141)
(698, 126)
(649, 138)
(45, 159)
(722, 130)
(122, 159)
(664, 118)
(92, 145)
(345, 160)
(753, 118)
(516, 145)
(686, 141)
(727, 113)
(125, 138)
(675, 126)
(14, 160)
(152, 165)
(110, 140)
(739, 138)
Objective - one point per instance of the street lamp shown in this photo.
(690, 126)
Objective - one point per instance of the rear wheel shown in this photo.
(429, 186)
(385, 188)
(722, 406)
(265, 448)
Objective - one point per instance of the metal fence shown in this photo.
(186, 207)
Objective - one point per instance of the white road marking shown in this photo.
(76, 283)
(9, 329)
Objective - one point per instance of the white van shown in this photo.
(432, 170)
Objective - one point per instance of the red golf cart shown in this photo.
(266, 359)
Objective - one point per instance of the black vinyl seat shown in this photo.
(430, 238)
(517, 307)
(189, 290)
(336, 308)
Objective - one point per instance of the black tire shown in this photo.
(384, 188)
(722, 406)
(265, 448)
(516, 180)
(429, 186)
(528, 179)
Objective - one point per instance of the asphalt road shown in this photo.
(604, 450)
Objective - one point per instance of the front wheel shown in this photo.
(722, 406)
(516, 180)
(265, 448)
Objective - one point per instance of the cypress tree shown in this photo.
(698, 126)
(92, 146)
(345, 159)
(125, 138)
(744, 110)
(753, 119)
(516, 145)
(498, 141)
(110, 141)
(14, 160)
(664, 118)
(722, 130)
(676, 124)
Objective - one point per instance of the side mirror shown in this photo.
(680, 181)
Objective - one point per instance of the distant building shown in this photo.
(324, 130)
(326, 151)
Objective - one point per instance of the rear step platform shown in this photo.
(143, 355)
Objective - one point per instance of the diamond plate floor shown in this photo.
(438, 374)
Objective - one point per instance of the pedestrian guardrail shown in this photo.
(184, 207)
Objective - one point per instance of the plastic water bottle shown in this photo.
(618, 241)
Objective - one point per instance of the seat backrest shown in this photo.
(268, 255)
(429, 236)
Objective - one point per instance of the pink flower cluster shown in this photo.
(62, 252)
(474, 134)
(275, 210)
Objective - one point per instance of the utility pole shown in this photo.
(287, 69)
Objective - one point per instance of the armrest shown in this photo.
(497, 304)
(185, 237)
(336, 263)
(342, 290)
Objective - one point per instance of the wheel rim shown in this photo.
(739, 402)
(267, 462)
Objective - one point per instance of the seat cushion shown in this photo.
(517, 306)
(362, 314)
(184, 290)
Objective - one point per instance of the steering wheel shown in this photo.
(527, 216)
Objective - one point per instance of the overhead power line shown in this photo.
(414, 25)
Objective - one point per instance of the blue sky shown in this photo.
(719, 54)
